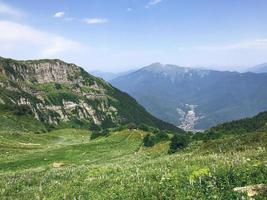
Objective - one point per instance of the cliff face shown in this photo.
(62, 94)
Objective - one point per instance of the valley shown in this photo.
(169, 92)
(65, 134)
(133, 100)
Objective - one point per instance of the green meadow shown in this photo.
(67, 164)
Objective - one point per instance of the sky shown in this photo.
(118, 35)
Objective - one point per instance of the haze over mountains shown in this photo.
(195, 98)
(108, 76)
(261, 68)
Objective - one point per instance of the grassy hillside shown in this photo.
(67, 164)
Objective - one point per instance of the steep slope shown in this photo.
(196, 98)
(253, 124)
(52, 93)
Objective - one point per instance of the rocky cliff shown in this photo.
(62, 94)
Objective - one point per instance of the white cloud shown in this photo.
(59, 14)
(18, 39)
(152, 3)
(129, 9)
(59, 45)
(8, 10)
(95, 20)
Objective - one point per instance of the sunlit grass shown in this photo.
(119, 167)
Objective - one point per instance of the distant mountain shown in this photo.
(36, 94)
(262, 68)
(196, 98)
(108, 76)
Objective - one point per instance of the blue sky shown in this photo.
(117, 35)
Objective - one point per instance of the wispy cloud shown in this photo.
(16, 37)
(58, 45)
(129, 9)
(63, 15)
(59, 14)
(152, 3)
(7, 10)
(95, 20)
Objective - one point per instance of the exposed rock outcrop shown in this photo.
(59, 94)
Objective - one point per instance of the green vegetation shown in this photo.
(129, 155)
(73, 99)
(256, 123)
(68, 164)
(95, 134)
(152, 139)
(178, 142)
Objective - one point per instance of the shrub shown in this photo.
(58, 86)
(143, 127)
(131, 126)
(95, 127)
(149, 140)
(161, 136)
(95, 134)
(22, 110)
(178, 142)
(156, 130)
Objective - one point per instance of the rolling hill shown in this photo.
(68, 164)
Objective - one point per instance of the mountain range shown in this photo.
(261, 68)
(195, 98)
(108, 76)
(45, 94)
(63, 131)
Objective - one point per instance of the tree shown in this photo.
(149, 141)
(143, 127)
(178, 142)
(161, 136)
(95, 133)
(131, 126)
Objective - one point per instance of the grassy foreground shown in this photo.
(66, 164)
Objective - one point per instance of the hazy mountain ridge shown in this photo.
(63, 94)
(261, 68)
(167, 91)
(108, 76)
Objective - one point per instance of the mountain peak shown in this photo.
(159, 67)
(173, 71)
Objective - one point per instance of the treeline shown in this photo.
(247, 125)
(182, 140)
(153, 136)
